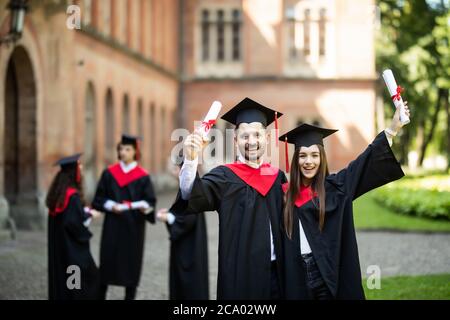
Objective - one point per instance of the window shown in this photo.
(306, 33)
(322, 31)
(236, 40)
(140, 125)
(220, 36)
(152, 146)
(106, 16)
(126, 115)
(205, 35)
(124, 21)
(300, 26)
(137, 28)
(87, 13)
(292, 30)
(109, 128)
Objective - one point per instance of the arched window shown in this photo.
(110, 154)
(152, 141)
(126, 114)
(89, 155)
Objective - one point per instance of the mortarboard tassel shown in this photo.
(276, 127)
(286, 154)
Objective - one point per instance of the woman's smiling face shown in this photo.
(309, 162)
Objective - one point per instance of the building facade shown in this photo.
(146, 67)
(65, 91)
(314, 61)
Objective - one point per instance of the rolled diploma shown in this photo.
(391, 84)
(210, 119)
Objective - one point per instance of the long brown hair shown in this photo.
(65, 178)
(318, 185)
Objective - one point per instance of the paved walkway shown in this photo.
(23, 263)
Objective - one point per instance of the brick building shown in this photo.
(77, 90)
(146, 66)
(312, 60)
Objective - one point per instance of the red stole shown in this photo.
(69, 193)
(261, 179)
(123, 178)
(304, 195)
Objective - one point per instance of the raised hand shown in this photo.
(396, 125)
(193, 145)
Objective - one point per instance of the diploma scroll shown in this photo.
(210, 119)
(394, 92)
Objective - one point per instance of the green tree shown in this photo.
(414, 41)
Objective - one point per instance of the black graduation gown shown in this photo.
(244, 270)
(123, 235)
(335, 249)
(68, 244)
(188, 279)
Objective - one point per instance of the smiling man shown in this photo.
(248, 196)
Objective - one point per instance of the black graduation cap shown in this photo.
(68, 161)
(304, 135)
(129, 139)
(248, 111)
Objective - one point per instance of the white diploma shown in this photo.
(210, 119)
(394, 92)
(141, 205)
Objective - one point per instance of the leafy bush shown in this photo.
(422, 197)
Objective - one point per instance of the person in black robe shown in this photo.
(321, 252)
(188, 262)
(248, 197)
(72, 273)
(125, 194)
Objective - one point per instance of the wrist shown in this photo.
(189, 161)
(391, 132)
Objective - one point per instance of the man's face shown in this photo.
(127, 153)
(252, 139)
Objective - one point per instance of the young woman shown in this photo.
(321, 253)
(72, 273)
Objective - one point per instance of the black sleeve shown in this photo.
(183, 225)
(375, 167)
(206, 193)
(100, 194)
(148, 195)
(73, 218)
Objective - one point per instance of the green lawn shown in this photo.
(428, 287)
(370, 215)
